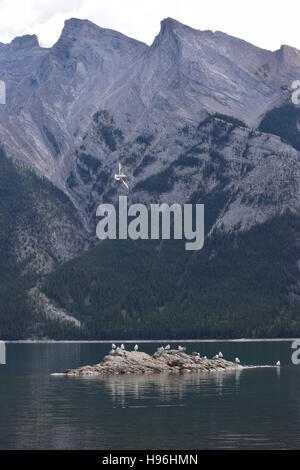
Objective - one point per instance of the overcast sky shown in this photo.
(265, 23)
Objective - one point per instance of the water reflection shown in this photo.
(166, 388)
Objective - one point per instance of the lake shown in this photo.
(257, 408)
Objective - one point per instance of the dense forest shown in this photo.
(238, 286)
(26, 203)
(282, 121)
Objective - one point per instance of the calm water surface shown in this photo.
(255, 408)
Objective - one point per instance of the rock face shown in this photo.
(136, 362)
(184, 118)
(42, 304)
(98, 97)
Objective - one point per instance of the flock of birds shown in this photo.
(122, 347)
(180, 348)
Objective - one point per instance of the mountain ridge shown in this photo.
(194, 117)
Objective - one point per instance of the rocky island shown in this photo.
(120, 361)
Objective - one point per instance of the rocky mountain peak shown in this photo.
(75, 28)
(185, 75)
(169, 24)
(79, 27)
(168, 39)
(27, 41)
(170, 27)
(289, 56)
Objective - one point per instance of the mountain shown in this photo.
(39, 228)
(239, 285)
(198, 116)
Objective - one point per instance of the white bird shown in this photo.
(204, 357)
(122, 177)
(237, 360)
(136, 347)
(167, 347)
(113, 346)
(220, 355)
(216, 356)
(278, 363)
(122, 346)
(161, 348)
(180, 348)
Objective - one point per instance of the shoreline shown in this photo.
(150, 341)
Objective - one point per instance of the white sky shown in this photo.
(265, 23)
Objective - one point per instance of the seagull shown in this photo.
(113, 346)
(204, 357)
(237, 360)
(161, 348)
(220, 355)
(216, 356)
(136, 347)
(278, 363)
(122, 346)
(167, 347)
(122, 177)
(180, 348)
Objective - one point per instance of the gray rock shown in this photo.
(160, 92)
(136, 362)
